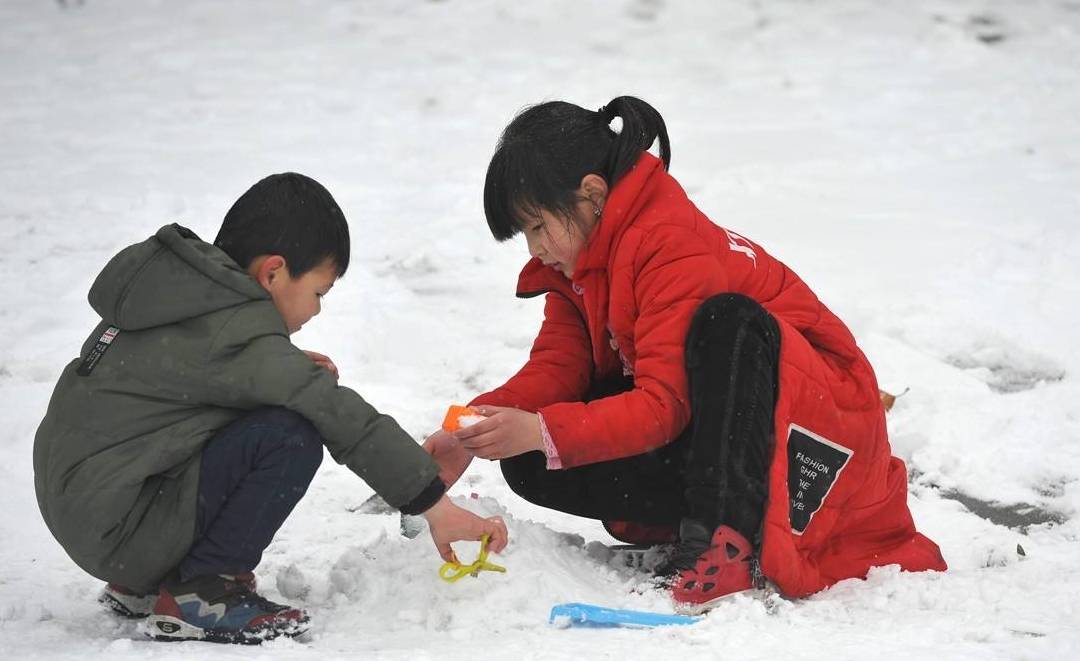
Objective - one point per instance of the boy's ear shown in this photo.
(267, 270)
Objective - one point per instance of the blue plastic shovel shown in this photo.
(589, 615)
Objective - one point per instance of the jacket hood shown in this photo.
(172, 276)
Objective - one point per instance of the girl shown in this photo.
(685, 385)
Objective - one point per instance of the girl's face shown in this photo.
(556, 240)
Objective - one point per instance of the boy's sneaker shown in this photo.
(707, 566)
(127, 602)
(221, 609)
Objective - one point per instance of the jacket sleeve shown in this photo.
(672, 273)
(560, 363)
(249, 367)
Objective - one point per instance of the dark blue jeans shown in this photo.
(253, 473)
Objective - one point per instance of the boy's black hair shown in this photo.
(548, 148)
(290, 215)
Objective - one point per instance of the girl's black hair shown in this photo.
(548, 148)
(290, 215)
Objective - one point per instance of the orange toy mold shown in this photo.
(452, 421)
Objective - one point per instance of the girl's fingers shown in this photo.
(490, 454)
(490, 451)
(481, 427)
(479, 439)
(479, 449)
(486, 410)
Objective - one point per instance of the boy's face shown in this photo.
(296, 299)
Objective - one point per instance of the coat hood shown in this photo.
(170, 277)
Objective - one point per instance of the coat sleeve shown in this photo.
(560, 363)
(249, 367)
(672, 273)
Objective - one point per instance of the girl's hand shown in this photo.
(506, 432)
(323, 361)
(452, 458)
(450, 523)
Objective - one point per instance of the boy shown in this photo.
(189, 427)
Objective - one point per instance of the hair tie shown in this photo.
(606, 113)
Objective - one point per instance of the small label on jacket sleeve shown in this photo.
(100, 347)
(814, 463)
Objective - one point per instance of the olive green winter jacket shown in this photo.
(116, 459)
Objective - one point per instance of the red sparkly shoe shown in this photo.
(703, 572)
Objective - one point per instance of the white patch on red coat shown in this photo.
(627, 366)
(745, 247)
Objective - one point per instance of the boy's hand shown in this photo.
(450, 523)
(507, 432)
(452, 458)
(323, 361)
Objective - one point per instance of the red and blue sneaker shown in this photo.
(221, 609)
(707, 566)
(126, 602)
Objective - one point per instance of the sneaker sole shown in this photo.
(166, 628)
(135, 608)
(700, 609)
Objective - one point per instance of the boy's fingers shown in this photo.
(327, 365)
(498, 534)
(440, 443)
(431, 443)
(486, 410)
(446, 552)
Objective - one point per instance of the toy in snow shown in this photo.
(454, 571)
(590, 615)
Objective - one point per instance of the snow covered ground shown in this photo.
(917, 162)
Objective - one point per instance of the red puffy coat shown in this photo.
(837, 498)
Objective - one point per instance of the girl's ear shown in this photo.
(267, 270)
(595, 189)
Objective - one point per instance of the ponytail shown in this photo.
(641, 126)
(545, 152)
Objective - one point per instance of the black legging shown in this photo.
(715, 471)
